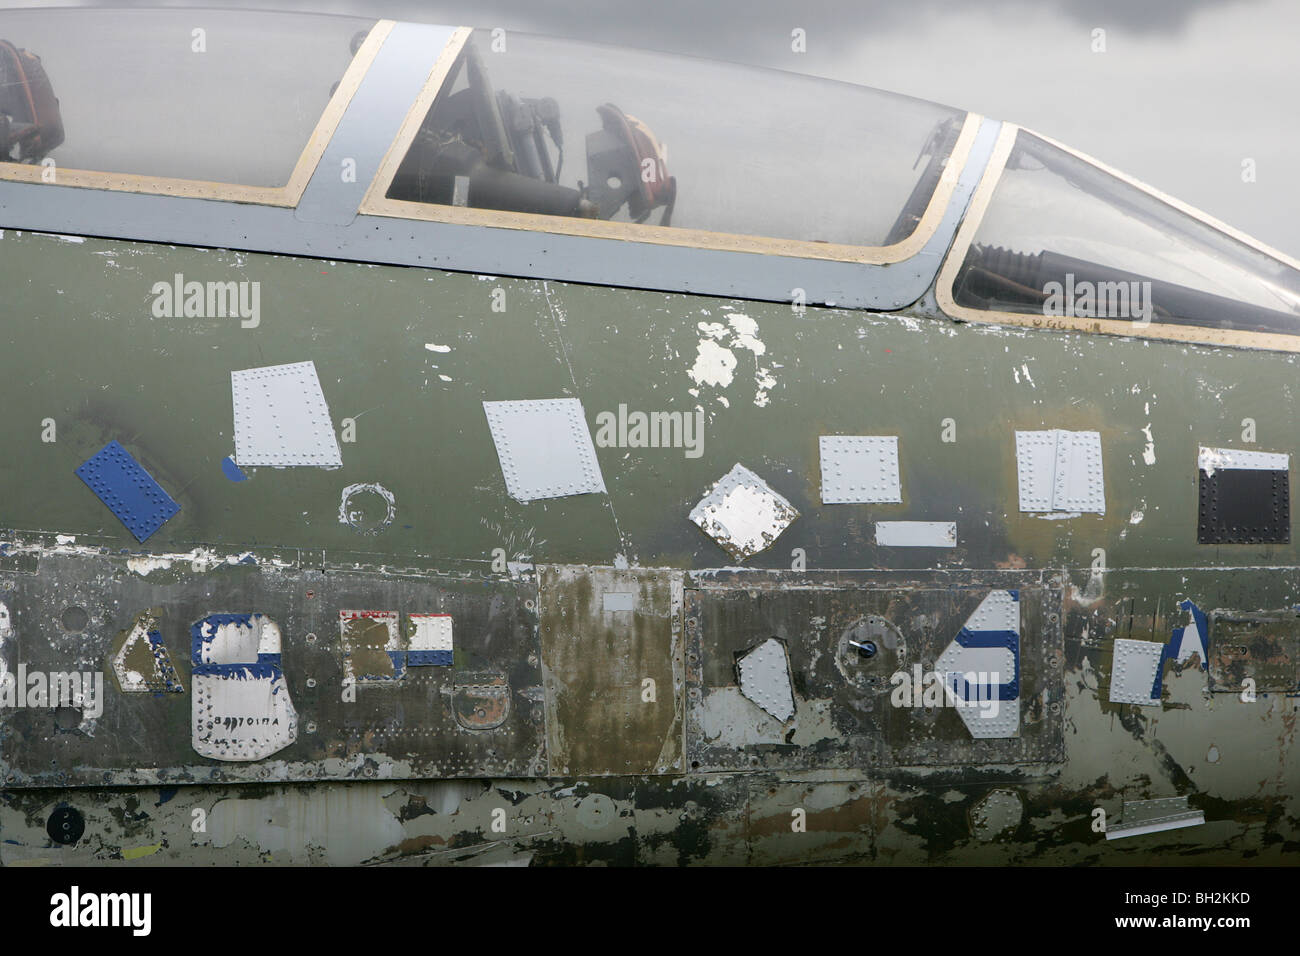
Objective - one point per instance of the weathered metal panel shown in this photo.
(613, 678)
(483, 715)
(1263, 647)
(849, 708)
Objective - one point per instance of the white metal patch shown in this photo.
(1060, 471)
(742, 514)
(242, 717)
(545, 448)
(980, 668)
(1210, 460)
(917, 534)
(430, 641)
(281, 418)
(765, 679)
(859, 469)
(241, 708)
(1133, 673)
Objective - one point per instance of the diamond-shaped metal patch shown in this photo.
(742, 514)
(545, 448)
(281, 417)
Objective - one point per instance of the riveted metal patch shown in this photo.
(545, 448)
(1153, 816)
(429, 640)
(742, 514)
(1245, 497)
(1134, 672)
(859, 469)
(372, 646)
(128, 490)
(1060, 470)
(281, 418)
(998, 812)
(1261, 646)
(764, 677)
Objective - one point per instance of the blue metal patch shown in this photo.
(232, 470)
(429, 658)
(128, 490)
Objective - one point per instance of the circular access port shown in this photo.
(75, 619)
(868, 652)
(65, 825)
(367, 508)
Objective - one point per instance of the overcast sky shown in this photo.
(1184, 92)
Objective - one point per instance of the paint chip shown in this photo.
(859, 469)
(742, 514)
(281, 418)
(545, 448)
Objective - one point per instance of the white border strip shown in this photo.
(1211, 459)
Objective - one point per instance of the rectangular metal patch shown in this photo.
(917, 534)
(859, 469)
(1153, 816)
(1060, 471)
(281, 418)
(1263, 647)
(545, 448)
(1134, 672)
(1245, 497)
(128, 491)
(613, 681)
(743, 514)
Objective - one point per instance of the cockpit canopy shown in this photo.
(561, 138)
(217, 96)
(671, 140)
